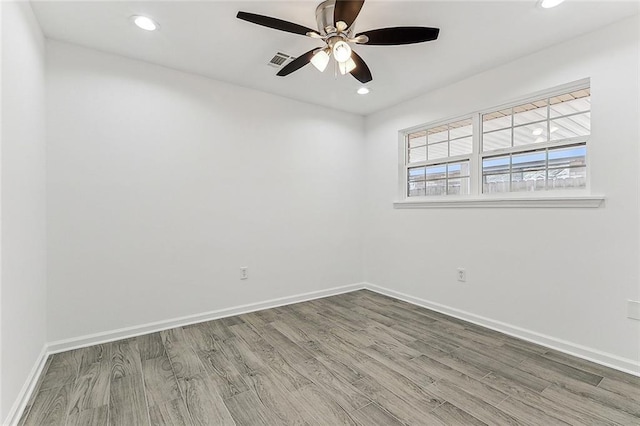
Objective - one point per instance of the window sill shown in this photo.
(572, 201)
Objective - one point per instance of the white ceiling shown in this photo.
(206, 38)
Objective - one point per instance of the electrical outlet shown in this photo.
(462, 275)
(244, 272)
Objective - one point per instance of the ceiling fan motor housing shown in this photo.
(325, 21)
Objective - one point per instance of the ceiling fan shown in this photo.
(335, 19)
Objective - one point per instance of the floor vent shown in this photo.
(279, 60)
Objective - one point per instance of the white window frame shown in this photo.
(547, 198)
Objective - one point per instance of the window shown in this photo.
(537, 146)
(438, 159)
(530, 146)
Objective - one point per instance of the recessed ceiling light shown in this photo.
(548, 4)
(145, 23)
(538, 131)
(363, 91)
(554, 129)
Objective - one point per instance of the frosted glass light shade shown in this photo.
(320, 60)
(342, 51)
(346, 67)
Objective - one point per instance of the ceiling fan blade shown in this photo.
(361, 72)
(275, 23)
(400, 35)
(297, 63)
(347, 11)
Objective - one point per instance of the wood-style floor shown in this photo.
(357, 358)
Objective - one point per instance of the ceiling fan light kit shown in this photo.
(335, 20)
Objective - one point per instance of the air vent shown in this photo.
(279, 60)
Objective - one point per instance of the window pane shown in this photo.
(496, 140)
(496, 120)
(456, 170)
(417, 139)
(460, 129)
(529, 113)
(436, 172)
(528, 161)
(458, 186)
(528, 181)
(416, 189)
(567, 178)
(569, 127)
(417, 154)
(416, 181)
(438, 134)
(436, 187)
(495, 183)
(461, 146)
(573, 156)
(569, 107)
(530, 134)
(495, 165)
(439, 150)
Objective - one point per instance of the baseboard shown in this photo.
(609, 360)
(138, 330)
(27, 389)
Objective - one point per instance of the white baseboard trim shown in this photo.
(27, 389)
(138, 330)
(590, 354)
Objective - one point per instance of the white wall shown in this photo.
(162, 184)
(564, 273)
(22, 192)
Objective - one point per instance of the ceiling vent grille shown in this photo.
(279, 59)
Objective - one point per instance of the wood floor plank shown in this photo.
(247, 410)
(441, 371)
(204, 403)
(160, 382)
(184, 360)
(451, 415)
(323, 410)
(400, 365)
(150, 346)
(170, 413)
(92, 389)
(567, 413)
(472, 404)
(125, 359)
(50, 406)
(127, 402)
(289, 350)
(373, 414)
(63, 369)
(591, 367)
(91, 417)
(343, 393)
(594, 406)
(282, 404)
(558, 370)
(286, 373)
(528, 414)
(412, 412)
